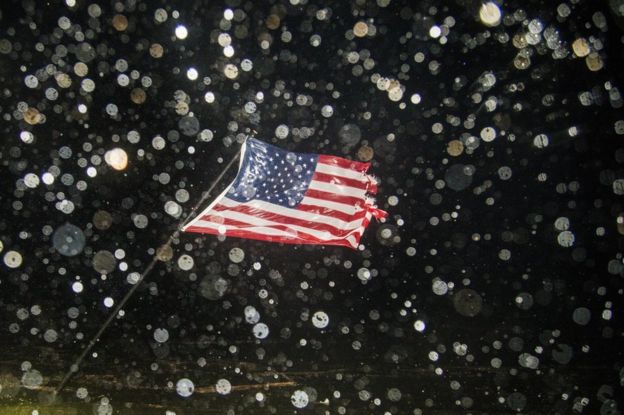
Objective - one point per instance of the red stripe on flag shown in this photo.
(268, 238)
(345, 217)
(334, 197)
(344, 163)
(298, 235)
(341, 181)
(276, 217)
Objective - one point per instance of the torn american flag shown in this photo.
(295, 198)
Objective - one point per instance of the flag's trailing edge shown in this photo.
(294, 198)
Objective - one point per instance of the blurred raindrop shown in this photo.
(68, 240)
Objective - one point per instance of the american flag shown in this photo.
(295, 198)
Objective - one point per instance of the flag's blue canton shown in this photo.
(273, 175)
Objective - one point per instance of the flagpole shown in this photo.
(76, 365)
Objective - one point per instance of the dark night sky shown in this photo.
(508, 251)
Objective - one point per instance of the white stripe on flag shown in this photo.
(341, 207)
(219, 227)
(254, 224)
(339, 171)
(339, 189)
(351, 239)
(293, 213)
(257, 221)
(260, 230)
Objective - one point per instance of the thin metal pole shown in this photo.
(76, 365)
(208, 192)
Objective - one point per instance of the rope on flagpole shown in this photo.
(76, 365)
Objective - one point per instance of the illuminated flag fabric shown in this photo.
(295, 198)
